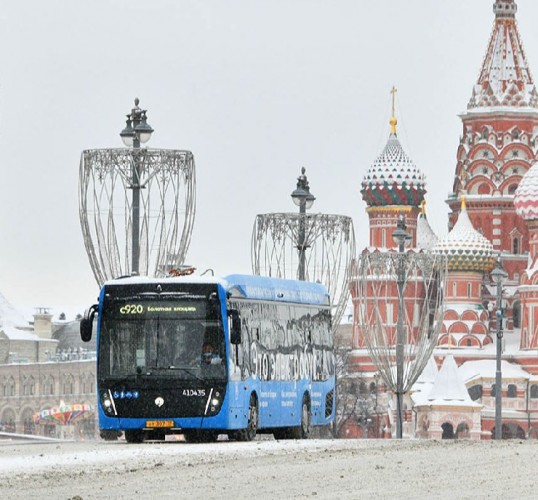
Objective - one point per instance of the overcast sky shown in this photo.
(255, 89)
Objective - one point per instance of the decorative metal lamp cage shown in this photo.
(166, 184)
(325, 242)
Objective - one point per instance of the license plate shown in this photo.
(152, 424)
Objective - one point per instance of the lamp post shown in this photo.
(136, 132)
(401, 237)
(304, 199)
(498, 275)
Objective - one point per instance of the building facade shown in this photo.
(493, 214)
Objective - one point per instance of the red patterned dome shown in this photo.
(526, 195)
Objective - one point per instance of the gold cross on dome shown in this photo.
(393, 121)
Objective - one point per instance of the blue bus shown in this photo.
(205, 356)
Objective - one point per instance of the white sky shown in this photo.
(255, 89)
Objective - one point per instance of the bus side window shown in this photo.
(235, 326)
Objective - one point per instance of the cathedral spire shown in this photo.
(505, 79)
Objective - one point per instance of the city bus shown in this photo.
(203, 356)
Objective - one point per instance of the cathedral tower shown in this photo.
(393, 187)
(498, 144)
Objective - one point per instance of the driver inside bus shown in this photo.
(209, 356)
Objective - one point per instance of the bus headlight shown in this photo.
(108, 403)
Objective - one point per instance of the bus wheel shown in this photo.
(249, 433)
(134, 436)
(303, 431)
(110, 435)
(281, 433)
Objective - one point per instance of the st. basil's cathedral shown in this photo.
(493, 218)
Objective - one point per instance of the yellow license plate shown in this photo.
(159, 423)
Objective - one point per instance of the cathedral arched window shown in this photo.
(469, 290)
(512, 188)
(492, 391)
(511, 391)
(516, 314)
(475, 392)
(515, 245)
(534, 391)
(454, 291)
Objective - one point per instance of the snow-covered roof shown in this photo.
(449, 388)
(12, 323)
(486, 369)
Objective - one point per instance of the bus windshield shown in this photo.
(175, 338)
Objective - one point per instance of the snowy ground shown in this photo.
(343, 469)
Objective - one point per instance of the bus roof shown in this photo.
(246, 286)
(264, 288)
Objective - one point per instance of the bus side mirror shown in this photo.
(86, 323)
(235, 332)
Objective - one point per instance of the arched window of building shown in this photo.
(534, 391)
(373, 388)
(516, 312)
(362, 388)
(69, 384)
(511, 391)
(515, 246)
(454, 291)
(28, 386)
(512, 188)
(448, 431)
(492, 392)
(462, 431)
(475, 392)
(383, 238)
(10, 387)
(469, 290)
(52, 385)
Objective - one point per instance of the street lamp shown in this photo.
(304, 199)
(498, 275)
(137, 131)
(401, 238)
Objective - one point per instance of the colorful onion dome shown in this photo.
(526, 195)
(465, 248)
(393, 179)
